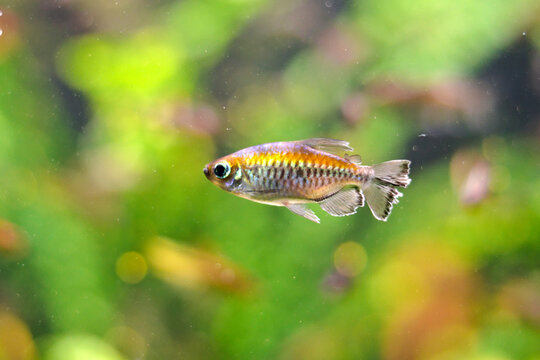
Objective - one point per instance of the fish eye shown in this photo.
(222, 170)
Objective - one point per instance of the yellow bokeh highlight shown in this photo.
(190, 267)
(131, 267)
(350, 259)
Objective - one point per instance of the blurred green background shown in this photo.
(113, 245)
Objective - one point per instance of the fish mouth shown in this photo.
(206, 172)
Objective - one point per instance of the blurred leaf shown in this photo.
(104, 66)
(33, 129)
(205, 27)
(437, 39)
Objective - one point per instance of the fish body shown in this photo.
(294, 173)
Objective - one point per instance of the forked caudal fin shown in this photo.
(380, 192)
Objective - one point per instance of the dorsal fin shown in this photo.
(329, 145)
(354, 158)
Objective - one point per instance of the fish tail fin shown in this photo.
(394, 172)
(380, 192)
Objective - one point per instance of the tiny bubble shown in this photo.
(328, 4)
(422, 135)
(414, 148)
(1, 13)
(224, 107)
(524, 33)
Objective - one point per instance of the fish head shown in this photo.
(225, 173)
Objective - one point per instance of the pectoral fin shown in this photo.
(344, 202)
(302, 210)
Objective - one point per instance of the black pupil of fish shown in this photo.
(220, 170)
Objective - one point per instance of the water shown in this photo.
(248, 280)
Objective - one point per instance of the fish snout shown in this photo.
(206, 172)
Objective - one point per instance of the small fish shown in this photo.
(293, 174)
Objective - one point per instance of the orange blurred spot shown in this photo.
(12, 242)
(15, 339)
(521, 297)
(188, 267)
(9, 33)
(131, 267)
(427, 293)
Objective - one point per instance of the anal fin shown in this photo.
(344, 202)
(302, 210)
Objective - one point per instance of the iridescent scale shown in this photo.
(292, 170)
